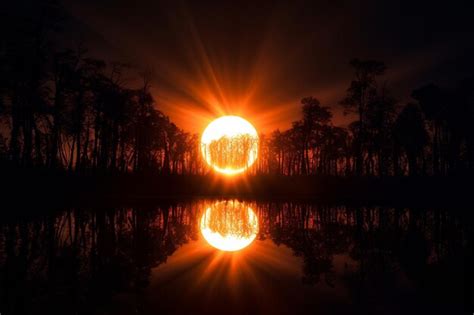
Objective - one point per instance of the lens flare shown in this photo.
(229, 225)
(229, 145)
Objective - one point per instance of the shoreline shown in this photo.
(37, 186)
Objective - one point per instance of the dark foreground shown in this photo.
(308, 258)
(45, 186)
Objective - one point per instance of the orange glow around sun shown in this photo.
(229, 145)
(229, 225)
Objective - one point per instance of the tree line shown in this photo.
(432, 135)
(62, 109)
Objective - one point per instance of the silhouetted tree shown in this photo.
(315, 117)
(380, 116)
(25, 59)
(360, 94)
(432, 102)
(411, 134)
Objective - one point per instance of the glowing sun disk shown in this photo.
(229, 144)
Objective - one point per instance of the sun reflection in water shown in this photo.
(229, 225)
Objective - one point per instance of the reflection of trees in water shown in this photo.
(230, 218)
(377, 243)
(232, 152)
(78, 258)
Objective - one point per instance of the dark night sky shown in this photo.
(259, 58)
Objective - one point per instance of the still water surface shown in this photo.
(237, 257)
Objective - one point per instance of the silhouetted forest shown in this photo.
(62, 109)
(233, 151)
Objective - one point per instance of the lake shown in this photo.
(226, 256)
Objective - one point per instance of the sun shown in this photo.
(229, 225)
(229, 144)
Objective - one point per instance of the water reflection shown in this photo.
(305, 257)
(229, 225)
